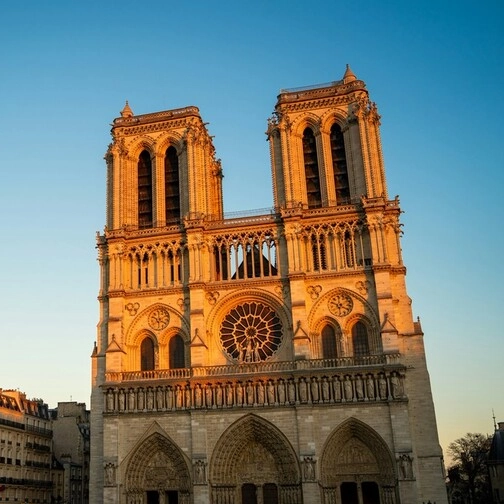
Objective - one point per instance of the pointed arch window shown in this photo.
(144, 190)
(176, 352)
(172, 189)
(147, 355)
(340, 170)
(360, 339)
(312, 175)
(329, 348)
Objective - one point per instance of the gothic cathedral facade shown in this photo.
(258, 359)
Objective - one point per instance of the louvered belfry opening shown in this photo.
(172, 189)
(144, 190)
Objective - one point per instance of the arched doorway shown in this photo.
(357, 466)
(157, 473)
(254, 463)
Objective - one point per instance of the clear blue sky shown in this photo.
(435, 70)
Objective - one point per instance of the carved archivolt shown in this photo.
(254, 450)
(332, 116)
(157, 464)
(308, 120)
(355, 448)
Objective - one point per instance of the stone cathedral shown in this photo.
(262, 358)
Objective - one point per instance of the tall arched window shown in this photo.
(360, 339)
(144, 190)
(329, 349)
(147, 355)
(311, 169)
(339, 161)
(319, 252)
(172, 189)
(176, 351)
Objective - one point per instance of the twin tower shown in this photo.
(266, 359)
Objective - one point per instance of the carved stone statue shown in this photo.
(250, 393)
(110, 400)
(347, 386)
(281, 392)
(199, 472)
(178, 397)
(188, 396)
(325, 389)
(121, 400)
(131, 399)
(218, 395)
(314, 387)
(140, 399)
(110, 476)
(292, 391)
(337, 389)
(159, 398)
(198, 396)
(303, 394)
(395, 383)
(239, 394)
(309, 469)
(208, 395)
(370, 387)
(150, 399)
(359, 389)
(260, 392)
(382, 386)
(405, 466)
(229, 394)
(271, 392)
(169, 397)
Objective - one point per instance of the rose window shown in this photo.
(251, 332)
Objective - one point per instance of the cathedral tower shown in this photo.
(263, 359)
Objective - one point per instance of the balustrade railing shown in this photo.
(252, 368)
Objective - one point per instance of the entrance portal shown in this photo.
(251, 493)
(154, 497)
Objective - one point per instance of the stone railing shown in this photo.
(327, 386)
(253, 368)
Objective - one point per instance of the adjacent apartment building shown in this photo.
(44, 453)
(25, 449)
(71, 444)
(268, 357)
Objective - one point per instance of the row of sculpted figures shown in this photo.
(343, 388)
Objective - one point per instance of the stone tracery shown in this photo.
(157, 464)
(251, 332)
(253, 451)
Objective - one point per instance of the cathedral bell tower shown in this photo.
(325, 146)
(161, 170)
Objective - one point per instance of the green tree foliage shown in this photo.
(468, 481)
